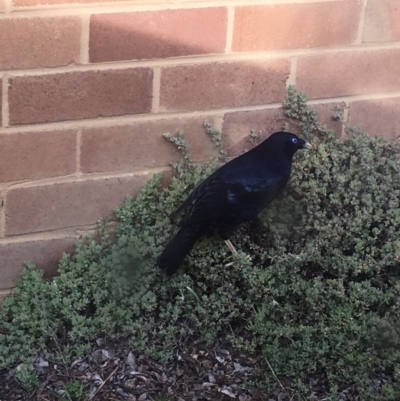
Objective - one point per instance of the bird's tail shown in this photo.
(178, 247)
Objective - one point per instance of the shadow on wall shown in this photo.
(201, 86)
(230, 84)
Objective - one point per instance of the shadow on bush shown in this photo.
(314, 289)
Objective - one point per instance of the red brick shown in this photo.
(289, 26)
(213, 85)
(54, 206)
(152, 34)
(238, 125)
(44, 253)
(326, 112)
(382, 21)
(79, 95)
(377, 117)
(349, 73)
(34, 155)
(141, 144)
(39, 42)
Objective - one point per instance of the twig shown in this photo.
(104, 382)
(39, 389)
(276, 377)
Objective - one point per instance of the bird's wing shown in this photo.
(227, 172)
(232, 198)
(196, 193)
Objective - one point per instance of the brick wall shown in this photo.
(87, 89)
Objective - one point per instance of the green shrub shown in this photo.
(314, 289)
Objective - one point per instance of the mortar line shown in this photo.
(361, 23)
(230, 29)
(293, 72)
(72, 178)
(85, 34)
(58, 233)
(40, 236)
(5, 106)
(134, 6)
(126, 120)
(353, 98)
(138, 118)
(3, 214)
(346, 118)
(202, 59)
(78, 152)
(155, 103)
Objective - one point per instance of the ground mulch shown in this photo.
(114, 371)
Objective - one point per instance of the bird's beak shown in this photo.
(308, 145)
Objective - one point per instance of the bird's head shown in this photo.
(288, 142)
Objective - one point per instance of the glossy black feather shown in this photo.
(233, 194)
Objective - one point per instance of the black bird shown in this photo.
(235, 193)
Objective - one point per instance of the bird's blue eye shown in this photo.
(294, 140)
